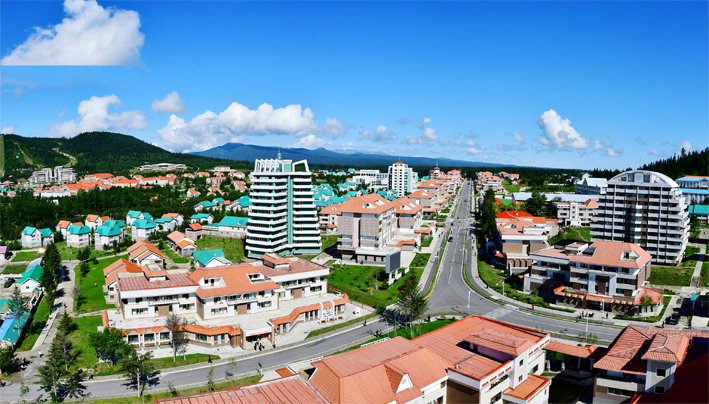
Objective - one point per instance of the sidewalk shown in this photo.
(698, 268)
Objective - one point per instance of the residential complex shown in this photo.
(518, 234)
(474, 360)
(365, 223)
(401, 178)
(33, 237)
(693, 181)
(283, 218)
(591, 186)
(607, 275)
(574, 213)
(48, 176)
(646, 208)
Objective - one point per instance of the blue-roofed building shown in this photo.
(33, 237)
(204, 218)
(229, 226)
(78, 236)
(210, 258)
(244, 201)
(166, 223)
(143, 228)
(693, 181)
(337, 200)
(11, 329)
(135, 215)
(29, 282)
(701, 212)
(106, 235)
(695, 196)
(205, 205)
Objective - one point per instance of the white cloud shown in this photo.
(94, 116)
(558, 133)
(456, 135)
(381, 135)
(510, 147)
(172, 104)
(403, 120)
(210, 129)
(655, 152)
(308, 142)
(428, 137)
(474, 150)
(423, 123)
(9, 129)
(605, 148)
(684, 144)
(470, 143)
(518, 137)
(88, 35)
(444, 142)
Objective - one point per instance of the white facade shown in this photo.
(591, 186)
(646, 208)
(283, 218)
(401, 179)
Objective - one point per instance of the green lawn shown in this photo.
(330, 263)
(324, 330)
(427, 242)
(704, 275)
(406, 332)
(507, 184)
(329, 241)
(670, 276)
(38, 321)
(233, 247)
(69, 253)
(26, 256)
(14, 269)
(91, 298)
(174, 257)
(573, 233)
(420, 260)
(690, 256)
(196, 390)
(355, 280)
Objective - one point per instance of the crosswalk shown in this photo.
(497, 313)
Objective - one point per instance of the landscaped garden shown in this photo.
(572, 233)
(26, 256)
(420, 260)
(14, 269)
(233, 247)
(406, 332)
(671, 276)
(367, 284)
(91, 298)
(36, 326)
(653, 319)
(70, 253)
(329, 241)
(704, 275)
(174, 257)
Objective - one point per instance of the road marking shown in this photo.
(497, 313)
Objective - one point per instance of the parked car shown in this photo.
(9, 282)
(671, 321)
(450, 238)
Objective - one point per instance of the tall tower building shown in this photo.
(401, 179)
(645, 208)
(283, 218)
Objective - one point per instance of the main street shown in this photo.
(450, 294)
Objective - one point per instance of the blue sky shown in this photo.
(563, 84)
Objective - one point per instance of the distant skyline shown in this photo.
(550, 84)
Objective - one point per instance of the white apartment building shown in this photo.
(365, 223)
(283, 218)
(591, 186)
(693, 181)
(372, 178)
(60, 175)
(646, 208)
(401, 179)
(575, 213)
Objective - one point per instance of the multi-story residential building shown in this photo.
(78, 236)
(59, 175)
(409, 215)
(328, 217)
(161, 167)
(574, 213)
(695, 196)
(652, 365)
(366, 223)
(282, 214)
(401, 179)
(146, 254)
(608, 276)
(143, 228)
(33, 237)
(591, 186)
(646, 208)
(106, 235)
(372, 178)
(293, 290)
(474, 360)
(693, 181)
(516, 238)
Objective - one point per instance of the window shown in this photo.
(132, 339)
(149, 338)
(220, 310)
(520, 379)
(659, 390)
(521, 362)
(200, 337)
(496, 398)
(661, 372)
(138, 312)
(164, 336)
(535, 368)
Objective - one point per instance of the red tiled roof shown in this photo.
(528, 388)
(63, 224)
(141, 283)
(667, 348)
(235, 278)
(195, 226)
(573, 350)
(689, 386)
(371, 203)
(512, 214)
(609, 253)
(500, 341)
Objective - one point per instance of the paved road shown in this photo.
(449, 294)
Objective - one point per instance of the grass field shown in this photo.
(366, 284)
(427, 243)
(507, 184)
(26, 256)
(69, 253)
(14, 269)
(691, 254)
(704, 275)
(233, 247)
(670, 276)
(174, 257)
(91, 298)
(149, 398)
(420, 260)
(329, 241)
(38, 321)
(406, 332)
(572, 233)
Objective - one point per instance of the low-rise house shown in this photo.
(143, 228)
(166, 224)
(5, 253)
(215, 180)
(143, 253)
(106, 235)
(210, 258)
(134, 215)
(653, 365)
(33, 237)
(29, 283)
(229, 226)
(193, 193)
(409, 215)
(205, 205)
(93, 221)
(79, 236)
(195, 231)
(181, 244)
(62, 227)
(119, 224)
(328, 218)
(202, 218)
(179, 219)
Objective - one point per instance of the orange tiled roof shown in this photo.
(573, 350)
(371, 203)
(530, 387)
(667, 348)
(609, 253)
(91, 218)
(63, 224)
(142, 283)
(512, 214)
(185, 242)
(499, 340)
(235, 278)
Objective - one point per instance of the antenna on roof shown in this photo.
(279, 149)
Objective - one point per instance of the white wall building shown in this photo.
(401, 179)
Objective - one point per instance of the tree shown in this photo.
(536, 204)
(18, 304)
(411, 300)
(72, 387)
(7, 359)
(138, 369)
(52, 371)
(66, 323)
(588, 337)
(84, 254)
(178, 338)
(65, 349)
(110, 345)
(49, 299)
(210, 379)
(646, 301)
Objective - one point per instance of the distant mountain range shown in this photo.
(243, 152)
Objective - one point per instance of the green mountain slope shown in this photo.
(23, 155)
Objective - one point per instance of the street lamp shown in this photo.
(469, 301)
(503, 290)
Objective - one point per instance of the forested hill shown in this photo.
(677, 166)
(96, 152)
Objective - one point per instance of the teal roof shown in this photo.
(207, 204)
(133, 213)
(114, 223)
(390, 197)
(327, 192)
(244, 201)
(144, 224)
(218, 200)
(323, 203)
(351, 183)
(426, 178)
(33, 273)
(45, 232)
(74, 229)
(200, 216)
(341, 186)
(163, 220)
(204, 256)
(337, 199)
(107, 231)
(699, 209)
(29, 230)
(234, 221)
(351, 170)
(9, 331)
(147, 216)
